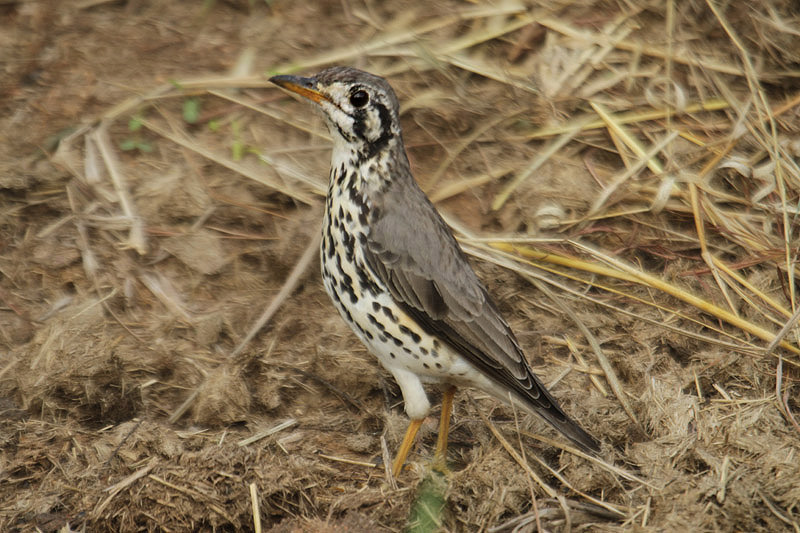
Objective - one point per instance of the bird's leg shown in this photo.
(440, 455)
(405, 447)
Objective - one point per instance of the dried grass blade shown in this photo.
(714, 104)
(635, 47)
(630, 141)
(489, 70)
(136, 235)
(570, 262)
(513, 453)
(267, 432)
(523, 266)
(616, 182)
(255, 508)
(384, 40)
(288, 286)
(605, 364)
(456, 188)
(541, 158)
(124, 483)
(752, 288)
(705, 306)
(180, 140)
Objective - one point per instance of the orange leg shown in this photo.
(405, 447)
(440, 456)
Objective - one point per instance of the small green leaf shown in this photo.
(135, 123)
(191, 110)
(427, 511)
(237, 149)
(128, 145)
(135, 144)
(214, 125)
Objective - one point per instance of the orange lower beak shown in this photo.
(305, 87)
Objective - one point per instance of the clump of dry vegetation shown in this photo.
(624, 174)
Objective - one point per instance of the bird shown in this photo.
(397, 275)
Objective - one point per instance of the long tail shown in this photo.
(548, 408)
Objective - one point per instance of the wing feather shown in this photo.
(411, 249)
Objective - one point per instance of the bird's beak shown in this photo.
(305, 87)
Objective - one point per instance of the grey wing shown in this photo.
(411, 249)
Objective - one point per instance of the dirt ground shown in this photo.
(156, 193)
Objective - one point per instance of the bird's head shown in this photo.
(361, 109)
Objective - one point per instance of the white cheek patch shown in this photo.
(339, 122)
(341, 118)
(373, 126)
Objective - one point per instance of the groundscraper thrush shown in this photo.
(396, 273)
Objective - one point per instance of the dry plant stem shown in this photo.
(388, 39)
(782, 399)
(567, 515)
(288, 286)
(192, 494)
(267, 432)
(528, 479)
(594, 123)
(596, 460)
(118, 487)
(774, 510)
(136, 236)
(256, 510)
(553, 258)
(536, 514)
(387, 463)
(259, 177)
(652, 281)
(469, 183)
(354, 462)
(162, 288)
(514, 262)
(631, 171)
(686, 59)
(513, 453)
(183, 407)
(753, 289)
(541, 158)
(762, 107)
(521, 462)
(694, 196)
(605, 364)
(584, 367)
(569, 485)
(523, 520)
(630, 140)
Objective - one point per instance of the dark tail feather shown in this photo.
(569, 428)
(548, 408)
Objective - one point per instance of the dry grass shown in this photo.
(624, 174)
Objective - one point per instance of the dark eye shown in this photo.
(359, 98)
